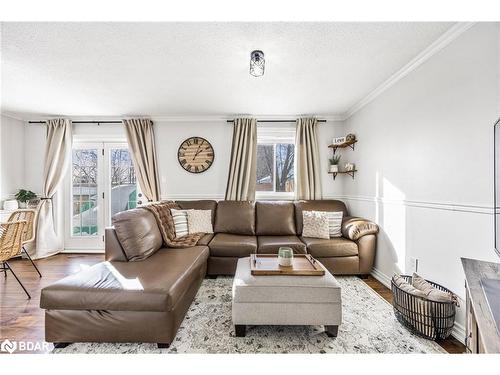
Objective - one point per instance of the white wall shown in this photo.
(425, 160)
(12, 157)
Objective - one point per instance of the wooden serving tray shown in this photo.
(267, 265)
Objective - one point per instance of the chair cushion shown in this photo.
(333, 247)
(154, 284)
(271, 244)
(274, 218)
(232, 245)
(235, 217)
(320, 205)
(138, 233)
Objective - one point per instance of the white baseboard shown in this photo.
(83, 251)
(382, 277)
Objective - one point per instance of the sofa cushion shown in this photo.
(274, 218)
(232, 245)
(333, 247)
(271, 244)
(319, 205)
(236, 217)
(199, 205)
(138, 233)
(154, 284)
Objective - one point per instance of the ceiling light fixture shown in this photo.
(257, 63)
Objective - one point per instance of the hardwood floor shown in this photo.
(23, 320)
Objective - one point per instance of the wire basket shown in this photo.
(430, 319)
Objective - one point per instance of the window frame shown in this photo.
(273, 141)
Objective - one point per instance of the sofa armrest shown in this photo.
(112, 248)
(354, 228)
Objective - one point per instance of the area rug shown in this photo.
(368, 326)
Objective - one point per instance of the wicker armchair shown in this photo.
(30, 216)
(11, 238)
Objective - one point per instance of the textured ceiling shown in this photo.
(196, 69)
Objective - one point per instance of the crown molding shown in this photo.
(13, 116)
(444, 40)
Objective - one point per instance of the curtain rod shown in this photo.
(277, 120)
(81, 122)
(119, 122)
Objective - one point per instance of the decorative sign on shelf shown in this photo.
(195, 155)
(338, 140)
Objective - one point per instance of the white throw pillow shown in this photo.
(180, 222)
(315, 224)
(200, 221)
(335, 223)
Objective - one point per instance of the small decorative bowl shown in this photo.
(285, 256)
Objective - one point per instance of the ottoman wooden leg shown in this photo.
(163, 345)
(332, 331)
(240, 330)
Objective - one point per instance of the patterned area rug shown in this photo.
(369, 326)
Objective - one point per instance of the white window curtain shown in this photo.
(242, 168)
(308, 181)
(141, 141)
(50, 239)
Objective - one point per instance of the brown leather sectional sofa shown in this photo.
(143, 291)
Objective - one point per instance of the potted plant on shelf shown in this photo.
(24, 196)
(334, 163)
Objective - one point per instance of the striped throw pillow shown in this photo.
(180, 222)
(335, 223)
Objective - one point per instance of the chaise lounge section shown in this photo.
(142, 291)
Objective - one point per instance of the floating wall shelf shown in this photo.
(350, 173)
(343, 145)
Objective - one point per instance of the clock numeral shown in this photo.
(208, 148)
(208, 162)
(182, 154)
(183, 161)
(195, 141)
(188, 167)
(188, 143)
(210, 154)
(202, 167)
(196, 169)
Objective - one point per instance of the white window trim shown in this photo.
(272, 134)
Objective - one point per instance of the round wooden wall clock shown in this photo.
(195, 155)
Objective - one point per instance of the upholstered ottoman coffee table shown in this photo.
(285, 300)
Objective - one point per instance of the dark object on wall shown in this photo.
(196, 155)
(429, 319)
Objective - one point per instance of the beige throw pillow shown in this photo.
(200, 221)
(315, 224)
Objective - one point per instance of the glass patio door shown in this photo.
(102, 183)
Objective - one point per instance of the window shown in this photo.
(275, 161)
(102, 183)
